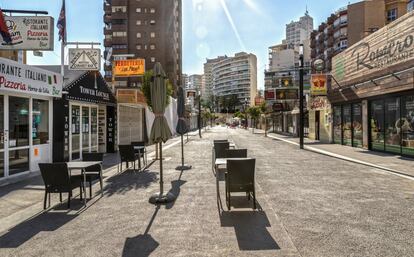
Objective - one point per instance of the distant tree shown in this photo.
(254, 113)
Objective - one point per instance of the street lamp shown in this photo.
(301, 100)
(245, 113)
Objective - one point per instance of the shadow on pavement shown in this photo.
(142, 244)
(45, 221)
(175, 190)
(251, 229)
(129, 180)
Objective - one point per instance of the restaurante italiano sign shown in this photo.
(389, 46)
(20, 78)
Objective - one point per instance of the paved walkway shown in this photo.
(388, 161)
(310, 205)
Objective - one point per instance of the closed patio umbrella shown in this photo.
(181, 126)
(160, 132)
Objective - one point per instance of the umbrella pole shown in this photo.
(161, 197)
(183, 166)
(161, 172)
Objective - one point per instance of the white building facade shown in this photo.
(236, 76)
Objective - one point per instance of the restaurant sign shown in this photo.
(29, 33)
(270, 94)
(129, 68)
(385, 48)
(84, 59)
(21, 78)
(319, 85)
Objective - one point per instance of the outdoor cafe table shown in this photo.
(223, 161)
(82, 165)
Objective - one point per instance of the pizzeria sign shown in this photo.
(20, 78)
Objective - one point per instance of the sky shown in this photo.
(210, 27)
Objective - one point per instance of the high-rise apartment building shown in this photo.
(148, 29)
(195, 82)
(298, 31)
(352, 23)
(208, 76)
(236, 76)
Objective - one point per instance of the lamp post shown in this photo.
(301, 100)
(245, 113)
(199, 113)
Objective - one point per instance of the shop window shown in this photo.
(347, 125)
(1, 123)
(40, 128)
(18, 161)
(377, 125)
(337, 125)
(18, 121)
(392, 132)
(94, 129)
(75, 132)
(406, 124)
(85, 129)
(357, 125)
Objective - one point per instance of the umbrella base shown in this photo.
(160, 199)
(184, 167)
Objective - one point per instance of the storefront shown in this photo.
(26, 117)
(85, 117)
(320, 118)
(373, 100)
(131, 116)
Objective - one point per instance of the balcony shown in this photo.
(107, 8)
(107, 31)
(321, 27)
(119, 40)
(108, 42)
(313, 43)
(107, 18)
(119, 2)
(119, 15)
(120, 27)
(330, 42)
(119, 51)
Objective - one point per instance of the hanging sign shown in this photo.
(16, 77)
(319, 84)
(84, 59)
(29, 33)
(270, 94)
(129, 68)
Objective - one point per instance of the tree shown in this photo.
(254, 113)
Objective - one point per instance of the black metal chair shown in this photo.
(219, 151)
(240, 177)
(94, 172)
(236, 153)
(141, 152)
(127, 154)
(57, 180)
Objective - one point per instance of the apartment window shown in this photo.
(152, 10)
(392, 14)
(119, 22)
(152, 59)
(152, 22)
(138, 47)
(119, 34)
(119, 46)
(138, 22)
(152, 34)
(152, 47)
(108, 36)
(118, 8)
(139, 35)
(138, 10)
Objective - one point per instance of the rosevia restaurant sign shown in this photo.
(29, 33)
(20, 78)
(384, 49)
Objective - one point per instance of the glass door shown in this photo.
(337, 124)
(85, 128)
(94, 129)
(347, 125)
(357, 125)
(18, 135)
(407, 125)
(391, 128)
(377, 125)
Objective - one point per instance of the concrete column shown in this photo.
(365, 124)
